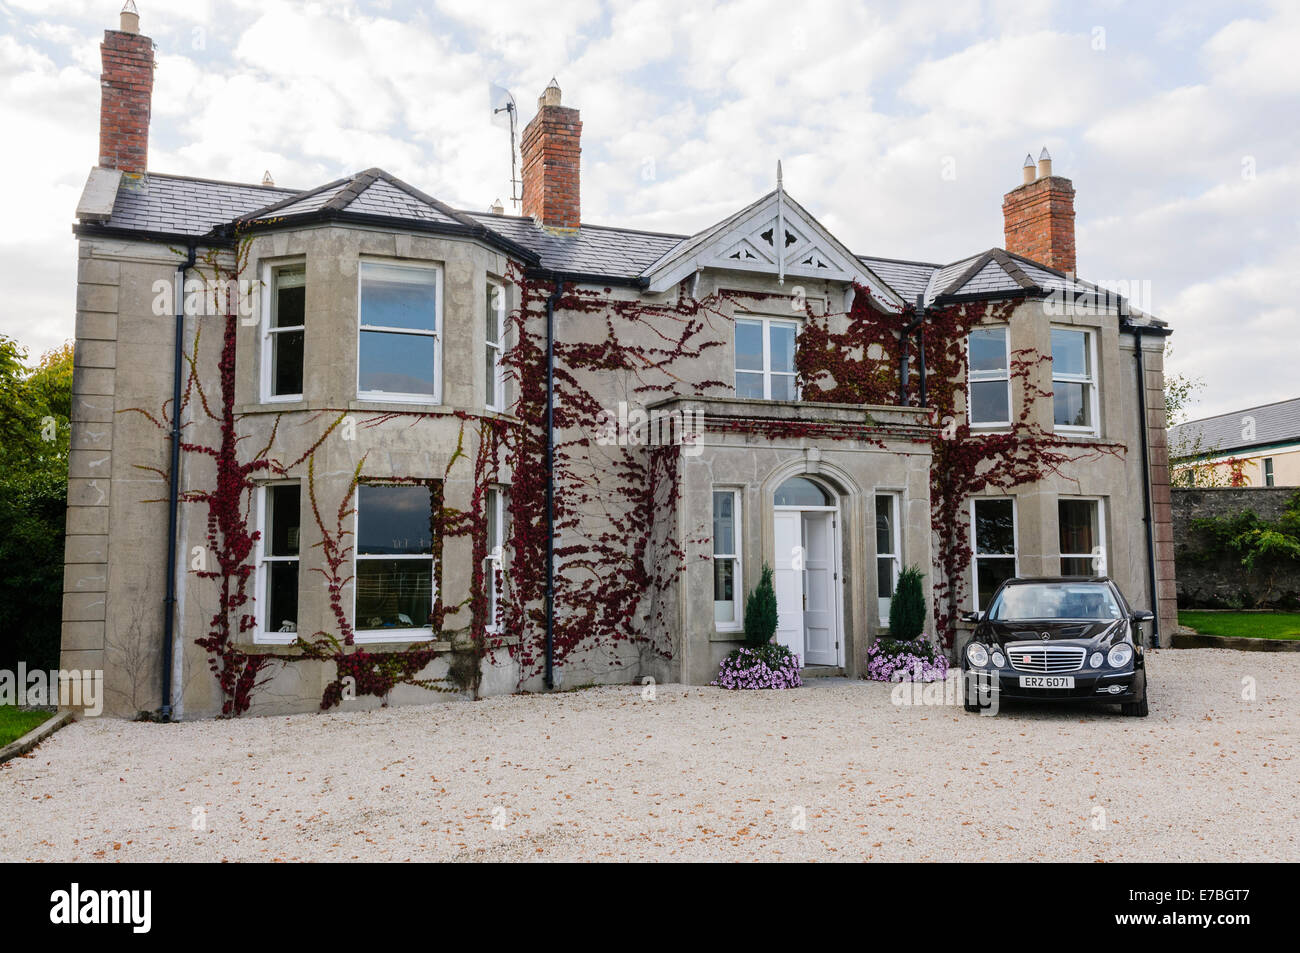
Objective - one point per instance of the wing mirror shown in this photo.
(976, 617)
(1142, 615)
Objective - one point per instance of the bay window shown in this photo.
(284, 332)
(399, 348)
(494, 503)
(494, 335)
(277, 562)
(394, 562)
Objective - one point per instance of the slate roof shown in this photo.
(594, 250)
(908, 278)
(1274, 423)
(171, 206)
(179, 205)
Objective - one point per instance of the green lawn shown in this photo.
(14, 723)
(1251, 625)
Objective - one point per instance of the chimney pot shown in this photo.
(1044, 164)
(496, 208)
(550, 95)
(129, 19)
(1028, 170)
(266, 178)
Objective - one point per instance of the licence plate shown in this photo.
(1046, 681)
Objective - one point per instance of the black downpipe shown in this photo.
(1147, 516)
(905, 359)
(920, 349)
(550, 480)
(174, 489)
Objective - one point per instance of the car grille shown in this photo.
(1045, 659)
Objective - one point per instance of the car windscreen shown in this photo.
(1054, 600)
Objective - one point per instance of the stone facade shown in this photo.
(117, 508)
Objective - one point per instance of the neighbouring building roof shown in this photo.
(171, 207)
(1262, 426)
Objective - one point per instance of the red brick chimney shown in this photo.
(126, 95)
(550, 148)
(1038, 216)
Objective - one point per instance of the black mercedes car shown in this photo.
(1063, 638)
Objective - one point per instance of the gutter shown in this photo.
(550, 479)
(173, 488)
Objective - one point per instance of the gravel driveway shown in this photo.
(697, 773)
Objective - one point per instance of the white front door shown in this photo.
(819, 590)
(787, 579)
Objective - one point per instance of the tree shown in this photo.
(35, 404)
(907, 607)
(760, 611)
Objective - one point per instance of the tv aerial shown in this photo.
(506, 115)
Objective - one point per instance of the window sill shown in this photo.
(727, 635)
(272, 407)
(1077, 432)
(397, 406)
(401, 637)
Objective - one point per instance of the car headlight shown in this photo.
(999, 659)
(977, 654)
(1119, 655)
(1096, 660)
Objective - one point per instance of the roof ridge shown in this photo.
(903, 261)
(424, 197)
(981, 259)
(290, 200)
(1012, 268)
(528, 219)
(238, 185)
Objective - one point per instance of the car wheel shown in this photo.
(1137, 709)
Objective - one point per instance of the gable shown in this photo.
(774, 236)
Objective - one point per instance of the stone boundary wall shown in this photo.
(1220, 581)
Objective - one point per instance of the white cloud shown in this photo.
(686, 107)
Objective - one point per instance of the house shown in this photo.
(350, 445)
(1258, 446)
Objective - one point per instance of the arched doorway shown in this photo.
(806, 570)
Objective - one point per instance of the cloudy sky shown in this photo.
(900, 126)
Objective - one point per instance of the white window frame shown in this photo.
(496, 385)
(261, 634)
(767, 372)
(370, 636)
(493, 563)
(395, 397)
(896, 504)
(269, 285)
(988, 377)
(1104, 553)
(1267, 467)
(974, 547)
(737, 570)
(1090, 381)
